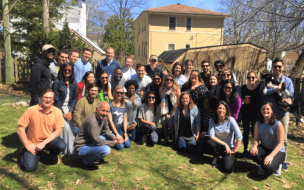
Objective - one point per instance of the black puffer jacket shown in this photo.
(40, 79)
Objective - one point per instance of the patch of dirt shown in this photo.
(19, 90)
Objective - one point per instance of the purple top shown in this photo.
(235, 108)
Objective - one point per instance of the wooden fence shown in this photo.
(22, 70)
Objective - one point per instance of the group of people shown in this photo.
(76, 111)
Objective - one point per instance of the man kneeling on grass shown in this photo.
(45, 123)
(94, 138)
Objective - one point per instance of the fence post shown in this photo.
(16, 69)
(1, 60)
(297, 89)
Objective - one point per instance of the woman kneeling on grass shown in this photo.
(270, 154)
(221, 131)
(187, 123)
(149, 116)
(118, 117)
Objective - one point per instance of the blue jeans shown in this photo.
(186, 143)
(147, 129)
(132, 133)
(92, 153)
(167, 126)
(126, 144)
(30, 161)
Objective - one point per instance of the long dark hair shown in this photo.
(227, 115)
(260, 117)
(154, 86)
(61, 73)
(208, 83)
(85, 76)
(188, 84)
(177, 64)
(233, 96)
(99, 81)
(146, 100)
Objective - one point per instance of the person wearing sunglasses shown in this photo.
(229, 95)
(155, 85)
(40, 79)
(228, 74)
(222, 128)
(195, 86)
(250, 107)
(133, 101)
(187, 123)
(149, 117)
(118, 119)
(104, 85)
(219, 66)
(82, 87)
(282, 114)
(65, 88)
(206, 71)
(169, 94)
(177, 72)
(188, 68)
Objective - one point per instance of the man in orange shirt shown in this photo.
(45, 123)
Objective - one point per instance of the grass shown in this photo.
(141, 167)
(4, 98)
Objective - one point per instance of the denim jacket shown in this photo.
(60, 89)
(195, 118)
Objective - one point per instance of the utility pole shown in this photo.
(45, 15)
(9, 68)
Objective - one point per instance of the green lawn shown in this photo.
(141, 167)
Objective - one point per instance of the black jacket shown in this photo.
(40, 79)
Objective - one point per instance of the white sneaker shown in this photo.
(144, 140)
(278, 171)
(261, 171)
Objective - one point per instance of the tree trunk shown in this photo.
(45, 15)
(9, 72)
(297, 70)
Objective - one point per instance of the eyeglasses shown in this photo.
(250, 78)
(67, 70)
(228, 75)
(151, 97)
(156, 78)
(103, 77)
(119, 93)
(277, 66)
(153, 60)
(51, 50)
(227, 88)
(219, 65)
(169, 80)
(205, 66)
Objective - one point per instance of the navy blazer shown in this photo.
(60, 88)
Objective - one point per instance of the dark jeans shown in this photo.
(263, 152)
(30, 161)
(186, 143)
(167, 126)
(247, 122)
(126, 144)
(203, 148)
(147, 130)
(217, 149)
(132, 134)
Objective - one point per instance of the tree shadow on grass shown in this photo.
(23, 181)
(11, 141)
(12, 157)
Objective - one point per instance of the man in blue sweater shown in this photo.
(83, 65)
(108, 64)
(281, 113)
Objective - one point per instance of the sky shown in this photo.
(204, 4)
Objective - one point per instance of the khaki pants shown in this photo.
(285, 123)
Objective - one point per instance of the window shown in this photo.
(172, 23)
(188, 46)
(171, 47)
(138, 50)
(188, 24)
(138, 29)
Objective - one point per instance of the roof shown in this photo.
(179, 8)
(93, 45)
(291, 57)
(172, 55)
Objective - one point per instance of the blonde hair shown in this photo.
(175, 86)
(256, 75)
(122, 101)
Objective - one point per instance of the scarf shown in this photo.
(164, 108)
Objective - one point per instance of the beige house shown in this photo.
(174, 27)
